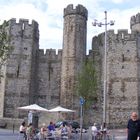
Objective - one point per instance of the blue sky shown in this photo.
(49, 15)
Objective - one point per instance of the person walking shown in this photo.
(133, 127)
(22, 129)
(94, 131)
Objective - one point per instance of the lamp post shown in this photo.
(105, 64)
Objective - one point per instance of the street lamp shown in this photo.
(105, 64)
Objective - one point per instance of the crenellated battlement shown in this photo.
(135, 22)
(135, 19)
(79, 10)
(119, 32)
(14, 21)
(123, 31)
(121, 35)
(41, 52)
(50, 54)
(24, 29)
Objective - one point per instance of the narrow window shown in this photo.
(18, 70)
(122, 67)
(122, 57)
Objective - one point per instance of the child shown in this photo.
(30, 131)
(43, 131)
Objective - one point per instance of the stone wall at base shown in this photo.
(12, 123)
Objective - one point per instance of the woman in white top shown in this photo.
(22, 129)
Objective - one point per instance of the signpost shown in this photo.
(82, 101)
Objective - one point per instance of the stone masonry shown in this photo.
(48, 79)
(74, 51)
(122, 71)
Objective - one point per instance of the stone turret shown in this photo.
(135, 23)
(80, 10)
(74, 51)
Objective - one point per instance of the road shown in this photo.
(115, 135)
(119, 134)
(9, 135)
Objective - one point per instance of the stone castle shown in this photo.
(48, 79)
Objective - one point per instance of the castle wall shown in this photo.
(123, 78)
(20, 67)
(97, 54)
(48, 79)
(138, 71)
(122, 75)
(49, 72)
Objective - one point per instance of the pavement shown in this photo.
(118, 134)
(115, 134)
(6, 134)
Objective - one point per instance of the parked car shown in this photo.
(74, 124)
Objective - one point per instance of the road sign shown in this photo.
(82, 101)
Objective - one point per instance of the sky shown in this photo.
(49, 15)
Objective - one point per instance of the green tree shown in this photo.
(5, 48)
(87, 83)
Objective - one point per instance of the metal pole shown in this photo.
(81, 121)
(105, 67)
(105, 73)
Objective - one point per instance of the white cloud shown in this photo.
(49, 15)
(120, 1)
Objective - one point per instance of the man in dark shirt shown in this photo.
(133, 127)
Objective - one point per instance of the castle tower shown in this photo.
(135, 23)
(19, 77)
(74, 51)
